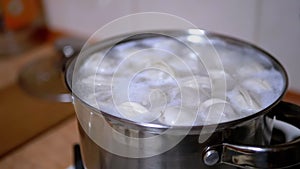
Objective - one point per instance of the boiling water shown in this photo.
(177, 82)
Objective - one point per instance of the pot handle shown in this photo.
(271, 156)
(67, 48)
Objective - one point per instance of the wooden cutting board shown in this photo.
(22, 116)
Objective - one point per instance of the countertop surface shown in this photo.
(51, 150)
(23, 116)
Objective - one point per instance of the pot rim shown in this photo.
(161, 127)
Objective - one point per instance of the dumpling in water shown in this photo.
(215, 111)
(256, 85)
(249, 69)
(242, 102)
(178, 116)
(189, 97)
(136, 112)
(221, 77)
(259, 89)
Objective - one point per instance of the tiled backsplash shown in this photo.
(273, 25)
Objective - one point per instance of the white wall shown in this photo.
(271, 24)
(84, 17)
(278, 31)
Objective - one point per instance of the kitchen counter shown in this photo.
(35, 133)
(23, 116)
(50, 150)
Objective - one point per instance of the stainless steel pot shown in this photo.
(244, 142)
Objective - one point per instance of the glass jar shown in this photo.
(22, 26)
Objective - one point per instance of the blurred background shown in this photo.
(272, 25)
(30, 28)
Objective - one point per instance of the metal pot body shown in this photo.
(188, 153)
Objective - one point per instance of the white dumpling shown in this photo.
(249, 69)
(154, 74)
(257, 85)
(219, 78)
(136, 112)
(157, 101)
(202, 83)
(190, 97)
(215, 110)
(178, 116)
(260, 90)
(242, 102)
